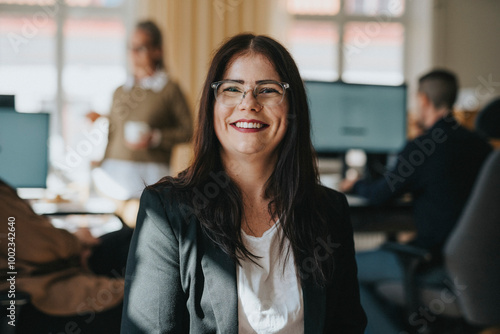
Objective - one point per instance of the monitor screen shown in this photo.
(24, 148)
(354, 116)
(7, 101)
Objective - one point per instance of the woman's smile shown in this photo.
(251, 125)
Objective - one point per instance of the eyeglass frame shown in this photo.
(284, 85)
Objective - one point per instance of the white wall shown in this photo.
(467, 41)
(460, 35)
(419, 44)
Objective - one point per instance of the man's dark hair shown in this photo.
(440, 86)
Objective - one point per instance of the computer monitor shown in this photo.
(356, 116)
(7, 101)
(24, 148)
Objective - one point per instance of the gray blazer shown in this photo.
(178, 281)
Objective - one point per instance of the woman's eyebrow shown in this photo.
(257, 82)
(265, 80)
(236, 80)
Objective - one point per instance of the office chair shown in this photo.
(488, 120)
(21, 299)
(465, 290)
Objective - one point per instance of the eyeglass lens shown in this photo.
(266, 94)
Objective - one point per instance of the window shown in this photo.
(65, 57)
(356, 41)
(27, 60)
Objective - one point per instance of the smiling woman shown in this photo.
(245, 240)
(252, 123)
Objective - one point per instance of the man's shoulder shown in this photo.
(444, 133)
(466, 140)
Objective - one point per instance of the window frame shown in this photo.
(341, 19)
(62, 12)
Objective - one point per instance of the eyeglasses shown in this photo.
(267, 93)
(139, 49)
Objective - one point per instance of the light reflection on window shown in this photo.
(372, 43)
(72, 3)
(313, 7)
(373, 52)
(27, 61)
(94, 3)
(375, 7)
(95, 62)
(314, 46)
(28, 2)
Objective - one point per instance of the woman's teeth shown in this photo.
(248, 125)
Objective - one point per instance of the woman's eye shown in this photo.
(232, 89)
(268, 90)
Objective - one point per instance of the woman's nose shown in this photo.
(249, 102)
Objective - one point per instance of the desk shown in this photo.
(93, 205)
(395, 216)
(98, 224)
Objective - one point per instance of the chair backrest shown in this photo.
(488, 120)
(472, 253)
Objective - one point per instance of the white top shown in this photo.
(124, 180)
(155, 82)
(269, 300)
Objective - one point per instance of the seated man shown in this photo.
(439, 169)
(58, 270)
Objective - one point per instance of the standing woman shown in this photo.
(149, 115)
(245, 240)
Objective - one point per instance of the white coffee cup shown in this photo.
(135, 131)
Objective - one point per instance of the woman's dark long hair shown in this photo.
(293, 188)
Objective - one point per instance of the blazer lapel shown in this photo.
(220, 278)
(314, 298)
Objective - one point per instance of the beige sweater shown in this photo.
(64, 292)
(166, 110)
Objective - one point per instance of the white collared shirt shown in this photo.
(155, 82)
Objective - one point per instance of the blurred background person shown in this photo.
(439, 169)
(71, 278)
(149, 115)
